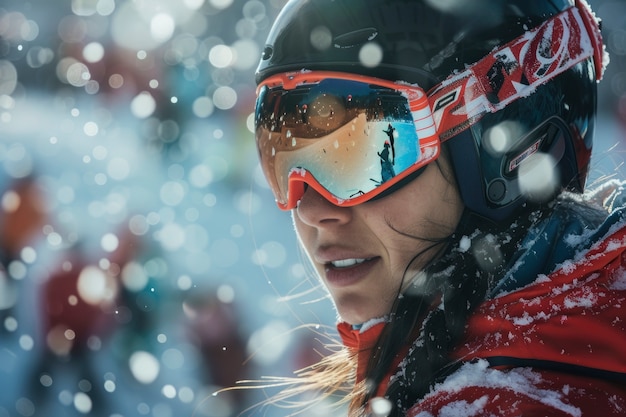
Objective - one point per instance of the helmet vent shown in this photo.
(355, 38)
(496, 191)
(267, 53)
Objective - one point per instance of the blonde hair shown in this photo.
(331, 381)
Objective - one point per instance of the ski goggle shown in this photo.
(349, 137)
(353, 138)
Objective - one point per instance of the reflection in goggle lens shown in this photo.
(350, 139)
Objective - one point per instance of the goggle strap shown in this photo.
(516, 69)
(592, 24)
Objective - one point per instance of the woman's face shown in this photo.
(362, 252)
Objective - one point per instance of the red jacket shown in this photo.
(554, 348)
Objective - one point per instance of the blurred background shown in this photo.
(143, 263)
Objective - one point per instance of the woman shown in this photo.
(476, 280)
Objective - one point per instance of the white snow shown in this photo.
(519, 380)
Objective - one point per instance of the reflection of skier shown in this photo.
(391, 133)
(386, 165)
(302, 112)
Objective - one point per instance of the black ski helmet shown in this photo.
(425, 42)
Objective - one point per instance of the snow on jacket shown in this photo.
(555, 347)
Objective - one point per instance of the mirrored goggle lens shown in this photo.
(349, 137)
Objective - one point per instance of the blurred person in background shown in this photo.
(100, 99)
(478, 277)
(22, 216)
(77, 329)
(215, 330)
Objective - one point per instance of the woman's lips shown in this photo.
(355, 271)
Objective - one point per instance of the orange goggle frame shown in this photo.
(349, 137)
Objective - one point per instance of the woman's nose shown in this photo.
(315, 210)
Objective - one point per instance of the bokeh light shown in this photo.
(144, 366)
(538, 177)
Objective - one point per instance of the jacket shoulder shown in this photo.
(540, 325)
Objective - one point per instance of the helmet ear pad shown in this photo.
(491, 159)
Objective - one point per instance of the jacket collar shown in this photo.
(361, 341)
